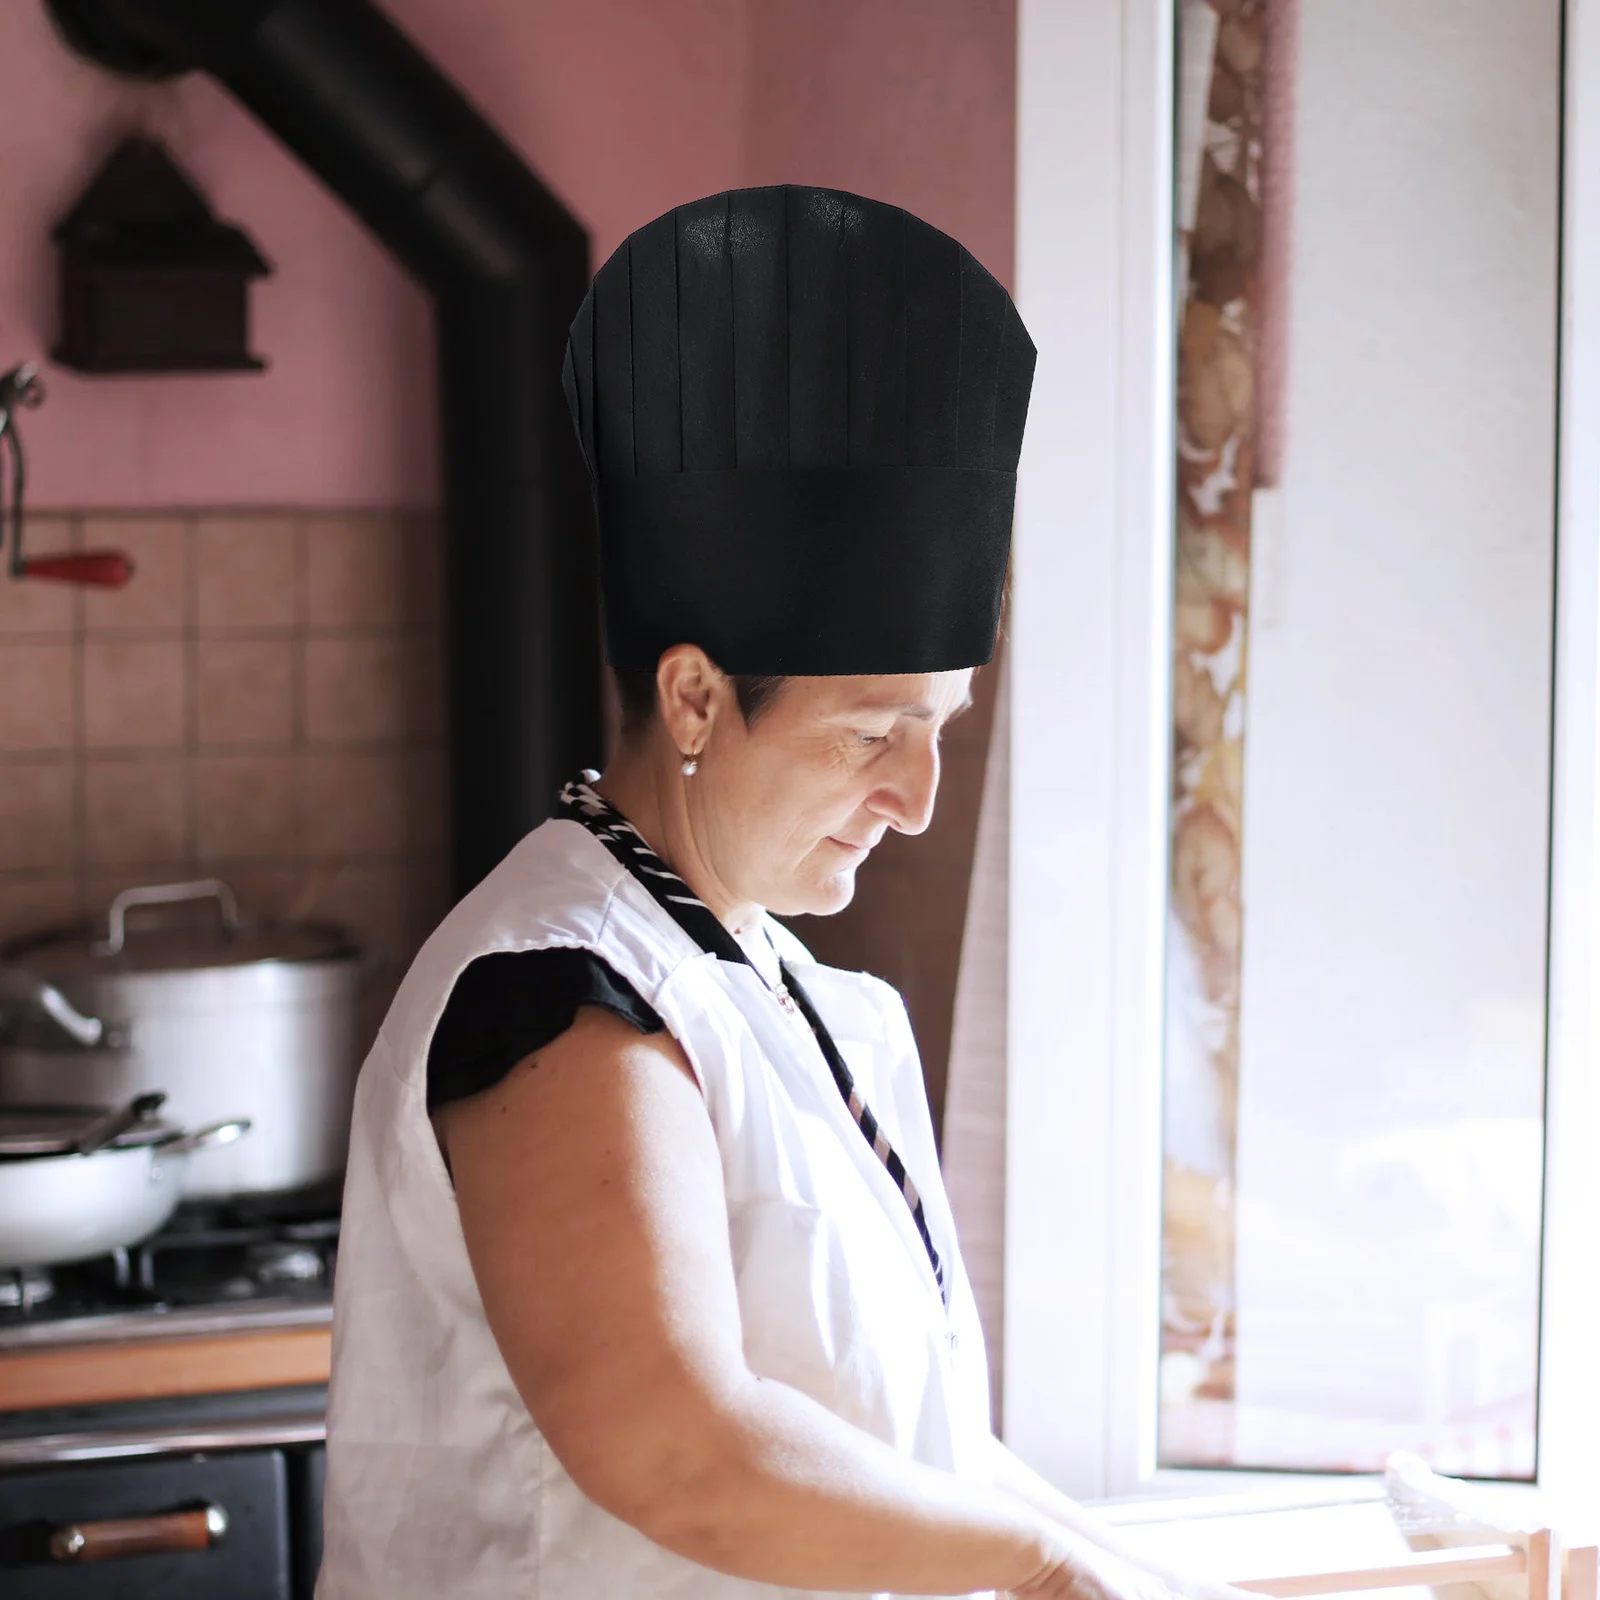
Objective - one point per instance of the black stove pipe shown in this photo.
(507, 265)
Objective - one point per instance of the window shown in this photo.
(1093, 712)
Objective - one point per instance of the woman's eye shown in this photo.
(871, 738)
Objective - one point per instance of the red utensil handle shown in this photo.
(108, 569)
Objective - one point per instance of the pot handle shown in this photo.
(115, 1123)
(17, 983)
(166, 894)
(208, 1138)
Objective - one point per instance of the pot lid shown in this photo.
(54, 1130)
(170, 928)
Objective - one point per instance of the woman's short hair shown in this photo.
(636, 694)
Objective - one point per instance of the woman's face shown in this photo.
(786, 808)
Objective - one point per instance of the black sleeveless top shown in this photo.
(508, 1005)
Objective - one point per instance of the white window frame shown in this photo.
(1090, 721)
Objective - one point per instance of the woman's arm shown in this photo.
(590, 1192)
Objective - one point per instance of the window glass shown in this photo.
(1367, 207)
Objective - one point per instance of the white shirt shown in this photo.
(439, 1483)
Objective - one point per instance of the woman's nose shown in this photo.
(906, 802)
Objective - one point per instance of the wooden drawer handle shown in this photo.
(167, 1534)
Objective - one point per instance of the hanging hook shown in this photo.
(111, 569)
(18, 387)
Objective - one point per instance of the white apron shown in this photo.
(439, 1484)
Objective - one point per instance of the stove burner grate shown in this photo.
(23, 1288)
(206, 1256)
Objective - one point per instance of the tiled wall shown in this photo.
(262, 703)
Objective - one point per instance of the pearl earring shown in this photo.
(691, 765)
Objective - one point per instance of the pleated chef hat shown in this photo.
(801, 411)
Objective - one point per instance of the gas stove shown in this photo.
(213, 1267)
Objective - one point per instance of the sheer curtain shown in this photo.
(975, 1096)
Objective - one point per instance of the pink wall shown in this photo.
(625, 107)
(910, 101)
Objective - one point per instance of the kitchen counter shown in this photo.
(155, 1354)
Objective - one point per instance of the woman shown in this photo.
(649, 1286)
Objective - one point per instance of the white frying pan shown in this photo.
(76, 1184)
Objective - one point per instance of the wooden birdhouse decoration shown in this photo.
(151, 281)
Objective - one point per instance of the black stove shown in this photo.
(253, 1456)
(245, 1255)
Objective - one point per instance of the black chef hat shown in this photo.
(802, 412)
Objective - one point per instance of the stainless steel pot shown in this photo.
(230, 1018)
(65, 1197)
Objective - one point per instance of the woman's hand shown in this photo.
(1190, 1586)
(1100, 1564)
(1081, 1571)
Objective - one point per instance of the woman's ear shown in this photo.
(688, 686)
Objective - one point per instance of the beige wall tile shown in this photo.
(273, 890)
(99, 791)
(425, 596)
(426, 714)
(429, 878)
(428, 798)
(134, 694)
(245, 571)
(36, 696)
(135, 811)
(244, 691)
(37, 814)
(357, 570)
(245, 806)
(157, 596)
(358, 802)
(372, 899)
(356, 690)
(38, 903)
(37, 605)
